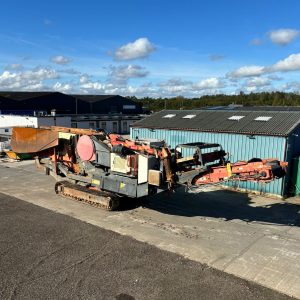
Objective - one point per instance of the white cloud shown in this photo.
(139, 90)
(116, 83)
(70, 71)
(62, 87)
(27, 80)
(60, 60)
(39, 73)
(258, 82)
(209, 84)
(247, 71)
(96, 86)
(84, 78)
(291, 63)
(175, 85)
(140, 48)
(123, 73)
(250, 89)
(283, 37)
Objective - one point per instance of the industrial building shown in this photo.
(243, 134)
(252, 108)
(115, 123)
(30, 102)
(112, 113)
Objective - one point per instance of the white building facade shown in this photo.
(7, 122)
(110, 123)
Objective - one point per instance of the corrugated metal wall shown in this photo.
(240, 147)
(293, 152)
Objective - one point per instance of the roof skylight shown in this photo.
(236, 118)
(189, 117)
(263, 118)
(169, 116)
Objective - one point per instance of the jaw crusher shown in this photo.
(103, 169)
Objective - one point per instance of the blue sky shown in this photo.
(150, 48)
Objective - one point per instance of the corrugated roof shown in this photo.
(94, 98)
(252, 108)
(268, 108)
(281, 123)
(20, 96)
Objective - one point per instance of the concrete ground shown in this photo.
(252, 237)
(46, 255)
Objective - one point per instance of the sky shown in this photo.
(152, 48)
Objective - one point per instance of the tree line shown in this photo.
(252, 99)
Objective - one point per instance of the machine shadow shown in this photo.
(225, 204)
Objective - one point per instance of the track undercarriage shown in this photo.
(96, 198)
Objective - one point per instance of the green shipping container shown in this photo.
(295, 178)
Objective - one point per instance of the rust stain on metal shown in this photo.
(79, 131)
(32, 140)
(154, 177)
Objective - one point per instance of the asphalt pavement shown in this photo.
(47, 255)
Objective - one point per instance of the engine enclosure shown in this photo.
(118, 170)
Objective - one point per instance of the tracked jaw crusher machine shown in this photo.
(102, 169)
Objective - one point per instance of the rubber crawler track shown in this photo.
(99, 199)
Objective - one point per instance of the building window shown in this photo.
(115, 127)
(74, 125)
(125, 127)
(91, 125)
(6, 130)
(103, 125)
